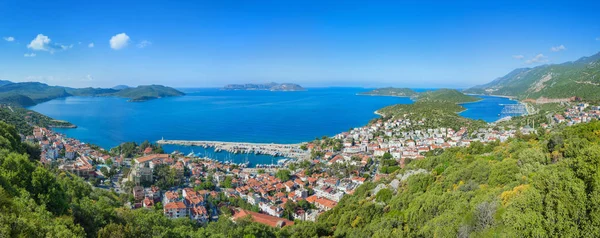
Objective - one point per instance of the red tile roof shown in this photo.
(262, 218)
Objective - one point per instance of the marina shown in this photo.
(276, 150)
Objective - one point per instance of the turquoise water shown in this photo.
(212, 114)
(244, 116)
(488, 109)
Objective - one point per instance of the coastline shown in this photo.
(492, 95)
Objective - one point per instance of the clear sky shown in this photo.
(313, 43)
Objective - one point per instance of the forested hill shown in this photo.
(540, 186)
(438, 95)
(446, 95)
(25, 119)
(147, 92)
(579, 78)
(31, 93)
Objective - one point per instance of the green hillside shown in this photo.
(147, 92)
(90, 91)
(30, 93)
(25, 119)
(579, 78)
(446, 95)
(38, 92)
(433, 115)
(16, 99)
(390, 91)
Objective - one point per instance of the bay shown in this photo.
(237, 116)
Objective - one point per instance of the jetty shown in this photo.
(272, 149)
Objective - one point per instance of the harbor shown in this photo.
(271, 149)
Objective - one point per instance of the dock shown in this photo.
(272, 149)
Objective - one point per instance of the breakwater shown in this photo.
(284, 150)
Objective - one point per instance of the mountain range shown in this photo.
(266, 86)
(580, 78)
(31, 93)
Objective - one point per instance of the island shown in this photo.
(390, 91)
(267, 86)
(27, 94)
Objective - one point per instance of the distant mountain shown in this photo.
(266, 86)
(119, 87)
(445, 95)
(147, 92)
(390, 91)
(37, 92)
(90, 91)
(579, 78)
(30, 93)
(4, 82)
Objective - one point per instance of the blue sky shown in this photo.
(313, 43)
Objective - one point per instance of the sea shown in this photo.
(236, 116)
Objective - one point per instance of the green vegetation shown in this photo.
(432, 115)
(446, 95)
(147, 92)
(434, 109)
(90, 91)
(17, 93)
(390, 91)
(283, 174)
(37, 202)
(545, 186)
(580, 78)
(25, 119)
(30, 93)
(132, 149)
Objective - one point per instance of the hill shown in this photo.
(119, 87)
(4, 82)
(37, 92)
(147, 92)
(432, 115)
(30, 93)
(390, 91)
(90, 91)
(446, 95)
(526, 187)
(579, 78)
(266, 86)
(24, 119)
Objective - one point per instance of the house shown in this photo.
(325, 204)
(175, 210)
(148, 202)
(261, 218)
(170, 196)
(138, 193)
(144, 166)
(199, 214)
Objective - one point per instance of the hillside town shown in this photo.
(202, 189)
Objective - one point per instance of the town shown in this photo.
(203, 189)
